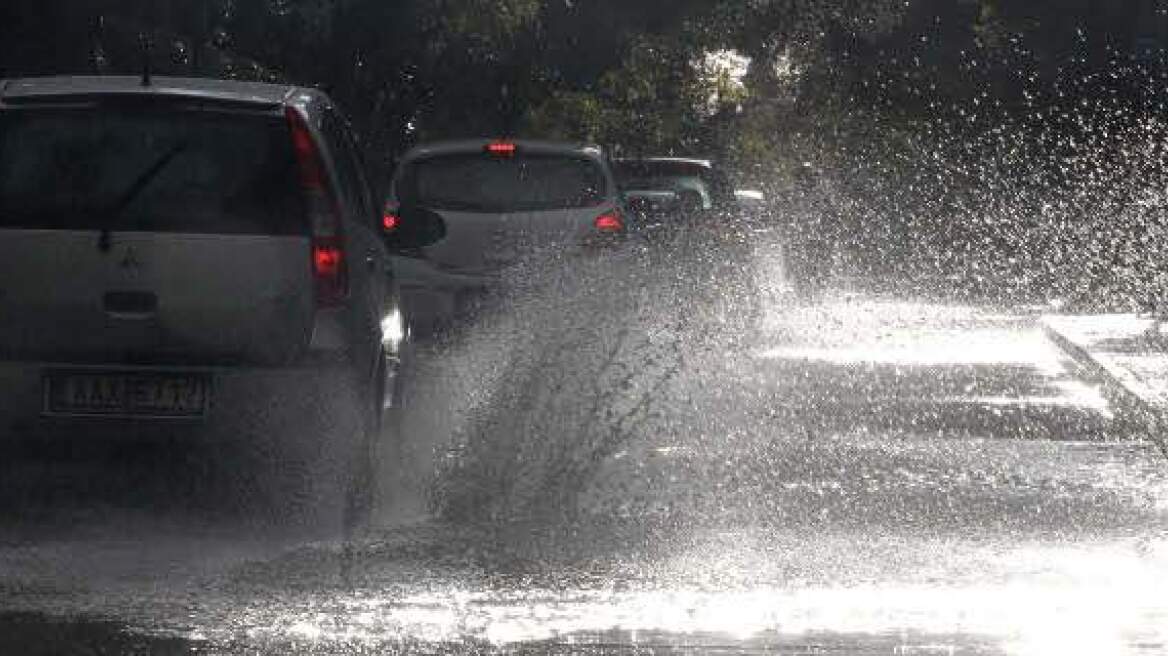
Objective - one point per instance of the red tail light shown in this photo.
(329, 271)
(327, 259)
(609, 222)
(501, 149)
(390, 220)
(329, 264)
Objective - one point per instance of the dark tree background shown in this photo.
(619, 71)
(615, 71)
(990, 141)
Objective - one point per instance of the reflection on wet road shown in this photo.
(683, 461)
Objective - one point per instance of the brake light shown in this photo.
(609, 222)
(329, 271)
(327, 259)
(501, 148)
(390, 221)
(329, 264)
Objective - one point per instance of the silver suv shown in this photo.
(192, 258)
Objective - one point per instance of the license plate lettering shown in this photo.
(96, 392)
(167, 395)
(140, 393)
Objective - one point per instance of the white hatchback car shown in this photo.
(193, 258)
(465, 210)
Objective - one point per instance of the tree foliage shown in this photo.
(617, 72)
(952, 135)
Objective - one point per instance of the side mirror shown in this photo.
(410, 228)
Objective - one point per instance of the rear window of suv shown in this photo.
(477, 182)
(150, 169)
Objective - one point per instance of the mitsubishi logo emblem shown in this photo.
(130, 262)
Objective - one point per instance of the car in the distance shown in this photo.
(463, 211)
(193, 259)
(700, 187)
(667, 194)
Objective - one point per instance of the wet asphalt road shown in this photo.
(648, 454)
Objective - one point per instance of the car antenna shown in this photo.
(144, 45)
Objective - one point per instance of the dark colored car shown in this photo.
(662, 187)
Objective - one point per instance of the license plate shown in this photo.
(179, 395)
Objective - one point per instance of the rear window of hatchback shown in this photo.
(148, 169)
(479, 182)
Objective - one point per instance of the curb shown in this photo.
(1135, 412)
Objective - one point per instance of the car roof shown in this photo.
(460, 146)
(705, 163)
(35, 89)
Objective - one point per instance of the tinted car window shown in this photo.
(666, 183)
(474, 182)
(145, 170)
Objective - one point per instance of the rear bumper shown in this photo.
(430, 308)
(432, 296)
(242, 400)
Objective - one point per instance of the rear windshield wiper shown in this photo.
(111, 212)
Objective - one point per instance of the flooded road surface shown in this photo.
(654, 453)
